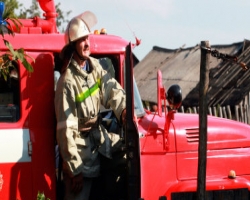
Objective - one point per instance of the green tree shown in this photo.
(35, 10)
(62, 17)
(8, 59)
(10, 6)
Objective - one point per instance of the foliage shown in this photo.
(41, 196)
(8, 59)
(62, 17)
(10, 6)
(34, 10)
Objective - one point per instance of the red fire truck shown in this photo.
(162, 148)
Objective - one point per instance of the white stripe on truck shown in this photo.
(14, 145)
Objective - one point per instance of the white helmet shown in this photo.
(79, 27)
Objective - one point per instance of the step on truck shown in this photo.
(161, 147)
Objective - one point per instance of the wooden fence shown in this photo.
(239, 112)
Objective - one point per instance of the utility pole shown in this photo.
(202, 150)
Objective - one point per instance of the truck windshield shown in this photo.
(138, 107)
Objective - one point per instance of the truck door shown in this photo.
(15, 162)
(131, 133)
(27, 139)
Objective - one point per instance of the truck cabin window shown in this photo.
(110, 63)
(10, 96)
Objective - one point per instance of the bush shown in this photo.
(41, 196)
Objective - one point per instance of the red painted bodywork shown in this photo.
(174, 168)
(168, 143)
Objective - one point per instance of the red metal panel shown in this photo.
(219, 163)
(152, 128)
(17, 183)
(40, 88)
(158, 172)
(101, 44)
(37, 115)
(107, 44)
(35, 42)
(222, 133)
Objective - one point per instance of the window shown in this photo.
(110, 63)
(10, 96)
(107, 64)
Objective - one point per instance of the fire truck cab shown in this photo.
(162, 148)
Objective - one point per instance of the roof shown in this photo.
(182, 66)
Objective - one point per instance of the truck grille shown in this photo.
(235, 194)
(192, 135)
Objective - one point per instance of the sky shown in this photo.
(169, 24)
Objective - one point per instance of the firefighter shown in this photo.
(81, 89)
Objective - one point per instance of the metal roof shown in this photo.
(228, 82)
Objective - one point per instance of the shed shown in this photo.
(228, 83)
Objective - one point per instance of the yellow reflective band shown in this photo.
(99, 82)
(90, 92)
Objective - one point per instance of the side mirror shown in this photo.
(174, 97)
